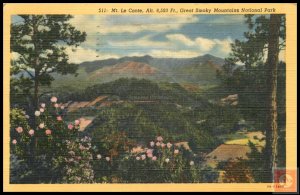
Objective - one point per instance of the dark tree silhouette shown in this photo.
(40, 43)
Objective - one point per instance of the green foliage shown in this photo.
(42, 149)
(19, 170)
(159, 163)
(40, 42)
(79, 161)
(137, 89)
(215, 119)
(55, 153)
(139, 124)
(18, 120)
(144, 109)
(248, 79)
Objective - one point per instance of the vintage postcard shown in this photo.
(150, 97)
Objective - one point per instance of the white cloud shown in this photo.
(176, 45)
(205, 44)
(83, 55)
(181, 39)
(100, 28)
(221, 47)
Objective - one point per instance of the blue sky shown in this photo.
(178, 36)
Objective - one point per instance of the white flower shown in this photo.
(192, 163)
(31, 132)
(37, 113)
(159, 138)
(68, 142)
(167, 160)
(176, 151)
(77, 122)
(138, 158)
(56, 105)
(43, 105)
(81, 147)
(42, 125)
(19, 129)
(107, 158)
(143, 157)
(169, 145)
(62, 107)
(54, 99)
(99, 156)
(27, 116)
(152, 143)
(42, 109)
(14, 141)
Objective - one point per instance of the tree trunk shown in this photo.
(271, 122)
(36, 64)
(36, 94)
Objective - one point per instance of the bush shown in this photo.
(79, 161)
(53, 151)
(44, 147)
(19, 170)
(160, 163)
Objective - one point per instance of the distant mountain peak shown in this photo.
(201, 69)
(208, 55)
(125, 68)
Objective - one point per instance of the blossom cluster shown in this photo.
(44, 124)
(158, 149)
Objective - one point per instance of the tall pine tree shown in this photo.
(272, 69)
(256, 79)
(39, 42)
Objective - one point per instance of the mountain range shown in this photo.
(197, 70)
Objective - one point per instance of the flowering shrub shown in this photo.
(53, 151)
(19, 132)
(161, 162)
(79, 160)
(111, 150)
(45, 146)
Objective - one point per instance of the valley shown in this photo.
(145, 96)
(136, 99)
